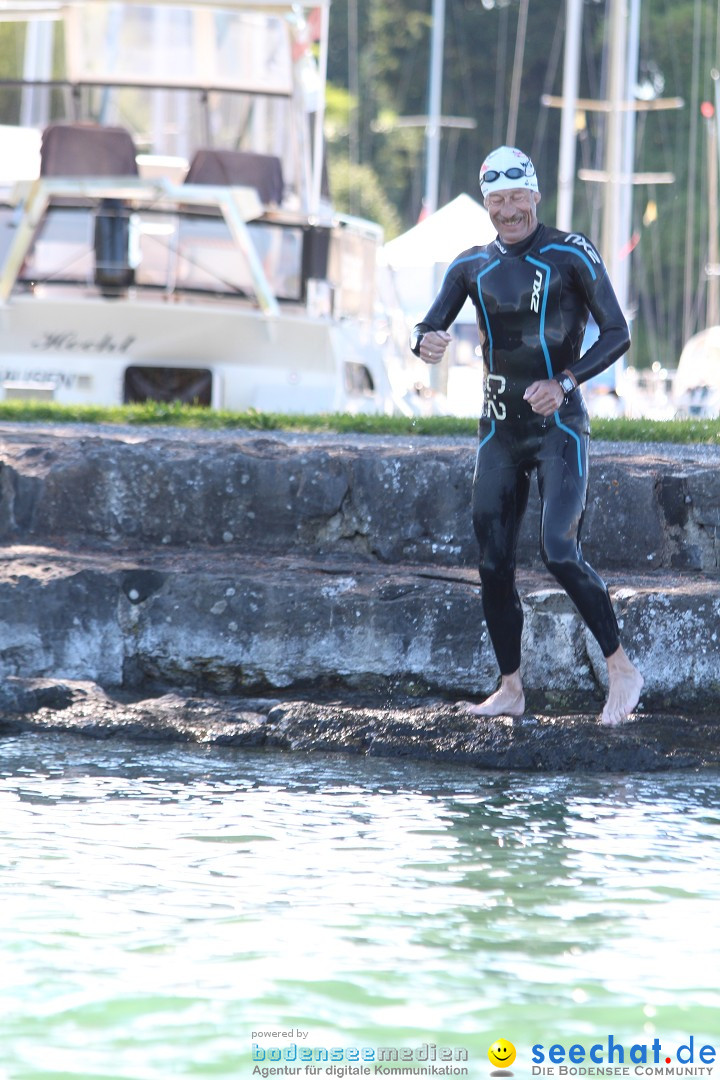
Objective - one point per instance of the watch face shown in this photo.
(415, 339)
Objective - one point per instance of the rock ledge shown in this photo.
(425, 730)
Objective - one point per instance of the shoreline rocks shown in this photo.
(421, 731)
(227, 564)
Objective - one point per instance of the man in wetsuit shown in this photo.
(533, 289)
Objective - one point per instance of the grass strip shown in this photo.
(190, 416)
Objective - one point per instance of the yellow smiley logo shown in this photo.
(501, 1053)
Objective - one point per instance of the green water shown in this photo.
(159, 904)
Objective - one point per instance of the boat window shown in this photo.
(191, 385)
(63, 249)
(169, 252)
(280, 249)
(358, 380)
(207, 258)
(352, 273)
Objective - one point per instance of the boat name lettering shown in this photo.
(52, 378)
(69, 341)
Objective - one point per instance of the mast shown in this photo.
(434, 121)
(617, 95)
(319, 133)
(712, 310)
(618, 174)
(517, 72)
(568, 133)
(622, 269)
(432, 131)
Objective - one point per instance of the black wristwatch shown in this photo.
(416, 340)
(567, 385)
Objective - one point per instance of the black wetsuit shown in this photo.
(532, 301)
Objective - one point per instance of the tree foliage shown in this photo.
(385, 49)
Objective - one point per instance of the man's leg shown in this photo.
(562, 481)
(500, 493)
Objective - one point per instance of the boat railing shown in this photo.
(196, 238)
(236, 205)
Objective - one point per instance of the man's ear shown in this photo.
(538, 197)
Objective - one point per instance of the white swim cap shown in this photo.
(505, 168)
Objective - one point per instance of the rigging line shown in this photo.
(354, 103)
(600, 127)
(692, 173)
(449, 163)
(460, 42)
(645, 303)
(659, 291)
(586, 162)
(518, 62)
(500, 71)
(676, 162)
(454, 135)
(585, 137)
(368, 107)
(412, 75)
(710, 59)
(550, 75)
(698, 305)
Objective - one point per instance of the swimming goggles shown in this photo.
(515, 173)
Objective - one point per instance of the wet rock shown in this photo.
(84, 708)
(428, 730)
(392, 499)
(558, 743)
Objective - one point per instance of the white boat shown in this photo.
(696, 386)
(170, 237)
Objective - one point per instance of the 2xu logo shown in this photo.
(581, 242)
(536, 287)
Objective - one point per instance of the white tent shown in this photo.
(419, 258)
(416, 263)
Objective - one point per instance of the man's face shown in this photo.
(513, 213)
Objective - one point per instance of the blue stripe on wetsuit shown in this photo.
(546, 352)
(570, 251)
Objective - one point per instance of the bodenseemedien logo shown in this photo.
(340, 1062)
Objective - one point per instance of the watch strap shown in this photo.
(416, 340)
(567, 384)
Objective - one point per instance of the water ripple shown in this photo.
(159, 904)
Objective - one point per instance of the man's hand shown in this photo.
(544, 396)
(433, 346)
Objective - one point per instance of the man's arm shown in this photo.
(431, 335)
(547, 395)
(614, 335)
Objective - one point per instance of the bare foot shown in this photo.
(508, 699)
(625, 684)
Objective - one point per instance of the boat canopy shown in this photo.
(180, 75)
(19, 10)
(220, 46)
